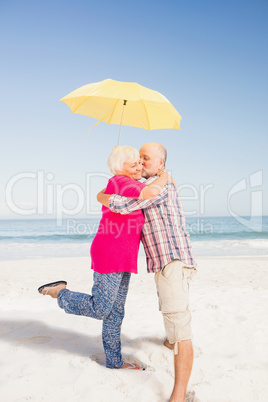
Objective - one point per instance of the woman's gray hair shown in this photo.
(119, 156)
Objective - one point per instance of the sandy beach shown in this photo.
(49, 355)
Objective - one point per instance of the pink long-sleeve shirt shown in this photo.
(116, 244)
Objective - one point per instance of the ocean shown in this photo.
(210, 236)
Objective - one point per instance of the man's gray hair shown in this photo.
(119, 156)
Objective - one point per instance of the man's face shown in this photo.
(151, 161)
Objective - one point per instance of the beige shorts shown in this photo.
(172, 284)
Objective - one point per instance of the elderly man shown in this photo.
(169, 256)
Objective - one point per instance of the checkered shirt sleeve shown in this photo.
(126, 205)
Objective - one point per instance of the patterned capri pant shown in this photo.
(106, 303)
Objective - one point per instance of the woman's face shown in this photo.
(132, 169)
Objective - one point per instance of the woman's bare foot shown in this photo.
(53, 291)
(132, 366)
(168, 345)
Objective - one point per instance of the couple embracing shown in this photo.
(132, 211)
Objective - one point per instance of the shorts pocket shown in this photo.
(187, 273)
(172, 295)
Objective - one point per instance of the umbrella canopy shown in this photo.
(126, 103)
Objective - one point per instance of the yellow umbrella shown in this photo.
(124, 103)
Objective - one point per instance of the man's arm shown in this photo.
(148, 192)
(126, 205)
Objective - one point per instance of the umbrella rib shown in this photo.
(113, 110)
(146, 115)
(81, 104)
(144, 107)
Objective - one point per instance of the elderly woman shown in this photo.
(114, 253)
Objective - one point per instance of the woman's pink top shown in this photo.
(116, 244)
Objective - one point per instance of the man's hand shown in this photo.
(103, 198)
(169, 178)
(157, 186)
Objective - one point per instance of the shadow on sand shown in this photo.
(37, 335)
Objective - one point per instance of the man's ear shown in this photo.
(161, 164)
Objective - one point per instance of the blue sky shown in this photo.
(209, 58)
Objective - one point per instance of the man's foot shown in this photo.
(132, 366)
(53, 291)
(168, 344)
(190, 397)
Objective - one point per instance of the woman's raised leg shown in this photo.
(99, 304)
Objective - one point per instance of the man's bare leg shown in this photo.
(183, 362)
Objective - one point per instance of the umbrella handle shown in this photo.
(124, 104)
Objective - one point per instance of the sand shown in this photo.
(47, 355)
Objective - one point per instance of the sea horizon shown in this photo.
(210, 236)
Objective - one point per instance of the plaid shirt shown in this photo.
(164, 235)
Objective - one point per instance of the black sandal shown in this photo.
(51, 285)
